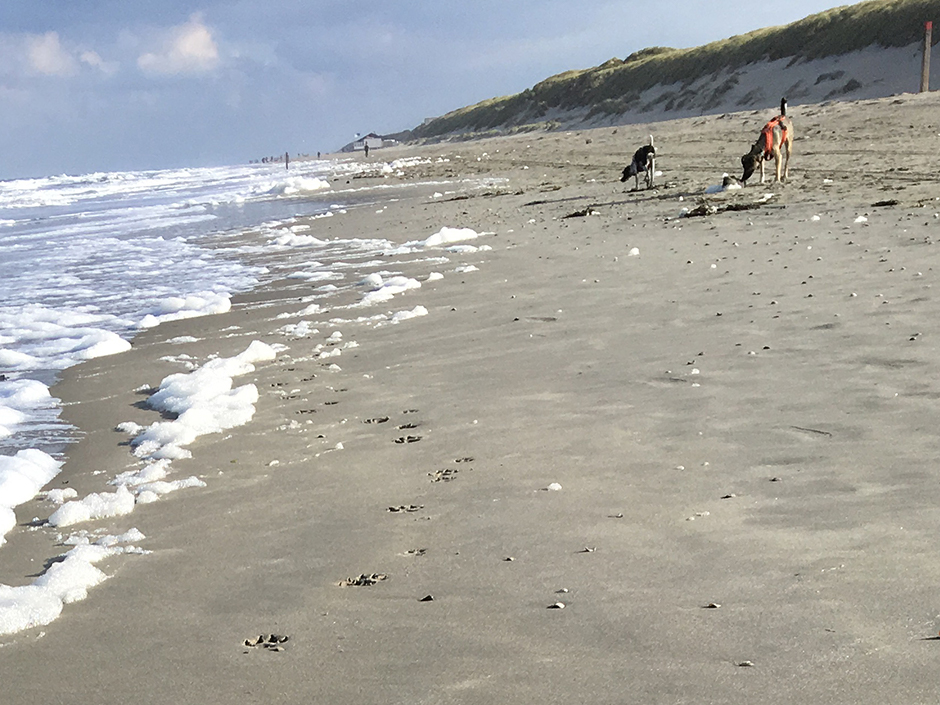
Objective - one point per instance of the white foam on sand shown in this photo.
(445, 238)
(382, 290)
(400, 316)
(296, 186)
(290, 239)
(19, 399)
(22, 476)
(55, 338)
(205, 402)
(65, 581)
(97, 505)
(174, 308)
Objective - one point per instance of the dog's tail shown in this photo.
(651, 141)
(783, 106)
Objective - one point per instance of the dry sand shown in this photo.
(743, 415)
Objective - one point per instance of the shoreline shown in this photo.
(729, 425)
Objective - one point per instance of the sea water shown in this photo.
(88, 261)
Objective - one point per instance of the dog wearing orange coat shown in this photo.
(775, 142)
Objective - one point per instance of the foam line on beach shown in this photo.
(204, 401)
(65, 581)
(22, 476)
(175, 308)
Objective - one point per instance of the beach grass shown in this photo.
(614, 86)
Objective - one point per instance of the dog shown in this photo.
(644, 161)
(775, 139)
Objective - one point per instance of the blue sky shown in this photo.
(104, 85)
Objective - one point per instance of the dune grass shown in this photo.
(612, 86)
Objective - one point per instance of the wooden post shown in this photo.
(925, 68)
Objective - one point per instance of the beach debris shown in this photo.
(556, 606)
(883, 204)
(588, 549)
(729, 496)
(408, 439)
(509, 559)
(364, 580)
(427, 598)
(464, 460)
(634, 252)
(745, 664)
(415, 552)
(814, 431)
(269, 642)
(377, 419)
(704, 208)
(562, 591)
(711, 606)
(590, 210)
(405, 508)
(618, 515)
(407, 426)
(554, 487)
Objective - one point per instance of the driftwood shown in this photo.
(590, 210)
(705, 208)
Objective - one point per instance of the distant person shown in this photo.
(318, 155)
(367, 149)
(287, 160)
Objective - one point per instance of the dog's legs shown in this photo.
(786, 164)
(650, 173)
(762, 169)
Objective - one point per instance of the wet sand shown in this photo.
(741, 419)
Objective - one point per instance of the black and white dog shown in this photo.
(644, 161)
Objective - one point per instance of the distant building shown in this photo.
(373, 140)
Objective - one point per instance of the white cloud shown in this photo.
(47, 56)
(188, 48)
(91, 58)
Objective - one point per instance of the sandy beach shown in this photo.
(709, 442)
